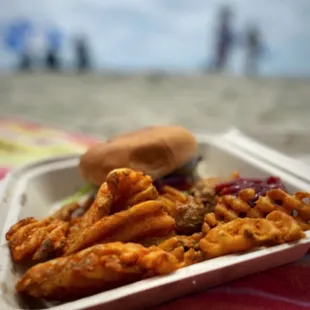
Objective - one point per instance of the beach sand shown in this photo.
(276, 111)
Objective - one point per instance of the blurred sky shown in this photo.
(173, 34)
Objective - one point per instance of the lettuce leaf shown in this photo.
(87, 189)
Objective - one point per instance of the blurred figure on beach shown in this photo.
(53, 45)
(29, 57)
(223, 39)
(15, 37)
(82, 54)
(253, 50)
(51, 61)
(25, 61)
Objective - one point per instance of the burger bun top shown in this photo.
(156, 151)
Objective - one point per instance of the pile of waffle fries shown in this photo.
(132, 230)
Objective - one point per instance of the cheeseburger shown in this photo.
(166, 153)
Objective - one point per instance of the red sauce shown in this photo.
(261, 186)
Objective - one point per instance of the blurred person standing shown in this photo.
(253, 50)
(82, 54)
(223, 38)
(16, 37)
(25, 61)
(31, 57)
(26, 57)
(52, 59)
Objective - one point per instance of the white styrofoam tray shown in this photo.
(3, 197)
(305, 158)
(34, 189)
(292, 165)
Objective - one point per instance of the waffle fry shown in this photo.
(288, 226)
(97, 268)
(184, 248)
(170, 196)
(30, 239)
(142, 220)
(294, 205)
(229, 207)
(241, 235)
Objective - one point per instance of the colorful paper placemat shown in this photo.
(22, 142)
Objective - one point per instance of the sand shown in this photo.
(276, 111)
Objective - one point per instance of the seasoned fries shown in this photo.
(30, 239)
(131, 231)
(229, 207)
(92, 270)
(142, 220)
(240, 235)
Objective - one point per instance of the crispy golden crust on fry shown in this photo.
(294, 205)
(142, 220)
(94, 270)
(170, 196)
(18, 225)
(37, 240)
(244, 234)
(239, 235)
(289, 227)
(53, 244)
(184, 248)
(230, 208)
(122, 189)
(150, 241)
